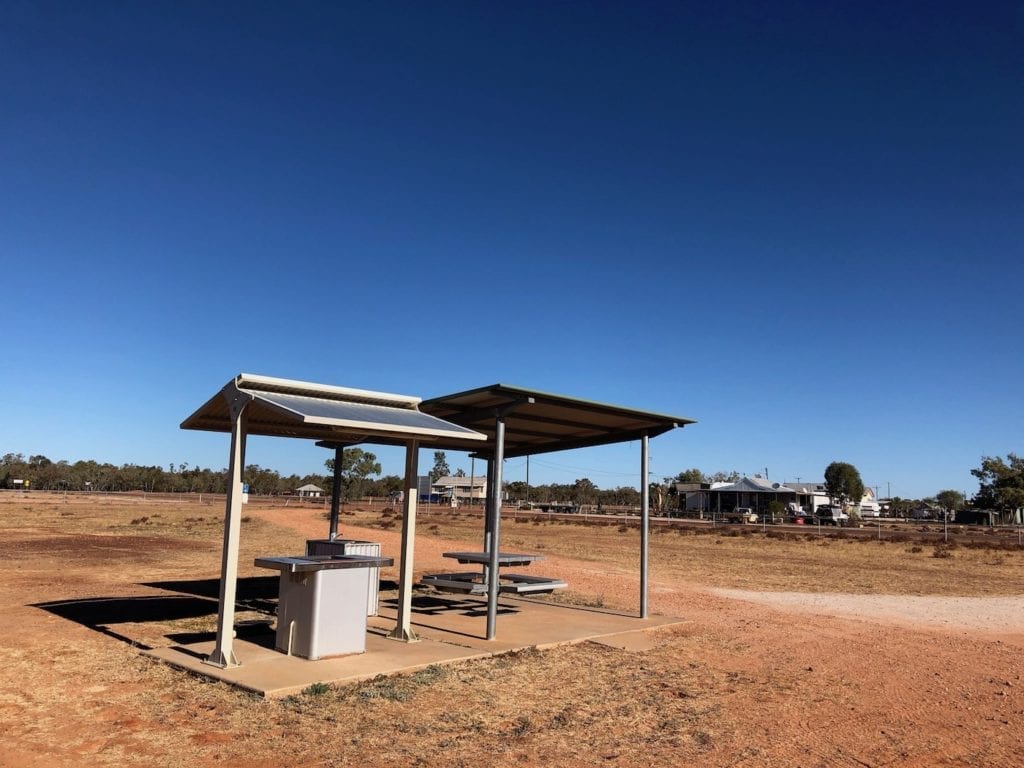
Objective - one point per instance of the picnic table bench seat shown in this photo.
(508, 583)
(466, 583)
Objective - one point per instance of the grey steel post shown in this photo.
(494, 476)
(223, 654)
(645, 523)
(403, 627)
(339, 454)
(488, 494)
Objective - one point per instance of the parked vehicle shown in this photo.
(870, 509)
(740, 515)
(828, 514)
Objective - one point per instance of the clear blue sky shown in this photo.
(799, 223)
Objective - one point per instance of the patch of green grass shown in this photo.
(401, 688)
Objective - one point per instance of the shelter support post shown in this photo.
(488, 493)
(403, 627)
(645, 522)
(494, 514)
(223, 651)
(339, 454)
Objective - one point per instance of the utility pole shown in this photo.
(527, 480)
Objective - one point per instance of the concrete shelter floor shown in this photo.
(450, 629)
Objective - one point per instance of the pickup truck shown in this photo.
(740, 515)
(831, 515)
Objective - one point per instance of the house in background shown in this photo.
(755, 493)
(460, 490)
(309, 491)
(869, 506)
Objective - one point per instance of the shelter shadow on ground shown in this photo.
(199, 600)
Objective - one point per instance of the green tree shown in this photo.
(516, 489)
(584, 492)
(1001, 483)
(693, 475)
(440, 467)
(356, 466)
(950, 500)
(843, 483)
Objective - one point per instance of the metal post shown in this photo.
(645, 523)
(488, 496)
(339, 455)
(494, 477)
(403, 628)
(223, 654)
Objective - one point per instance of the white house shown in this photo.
(309, 491)
(461, 489)
(756, 493)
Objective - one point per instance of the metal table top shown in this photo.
(300, 563)
(484, 558)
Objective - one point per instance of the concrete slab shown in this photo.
(450, 629)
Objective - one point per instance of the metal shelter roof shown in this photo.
(541, 422)
(289, 408)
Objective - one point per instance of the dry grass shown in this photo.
(73, 694)
(740, 557)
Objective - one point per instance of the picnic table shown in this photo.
(475, 582)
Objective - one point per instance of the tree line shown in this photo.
(39, 472)
(1001, 481)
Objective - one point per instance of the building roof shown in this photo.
(310, 487)
(477, 480)
(755, 485)
(541, 422)
(806, 487)
(289, 408)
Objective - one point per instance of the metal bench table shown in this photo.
(484, 558)
(475, 583)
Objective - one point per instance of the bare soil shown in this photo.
(797, 651)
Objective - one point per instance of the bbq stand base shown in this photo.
(321, 607)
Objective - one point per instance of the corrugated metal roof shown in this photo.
(755, 485)
(541, 422)
(289, 408)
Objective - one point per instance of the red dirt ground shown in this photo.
(753, 679)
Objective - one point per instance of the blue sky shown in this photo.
(799, 223)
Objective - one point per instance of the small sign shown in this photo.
(245, 493)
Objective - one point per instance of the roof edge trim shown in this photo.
(257, 383)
